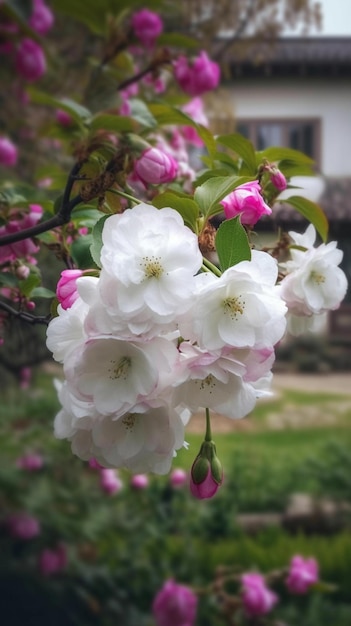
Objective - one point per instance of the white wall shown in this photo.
(330, 101)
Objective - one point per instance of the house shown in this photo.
(296, 92)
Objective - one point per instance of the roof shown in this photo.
(317, 56)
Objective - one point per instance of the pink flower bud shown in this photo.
(30, 462)
(206, 472)
(30, 305)
(155, 166)
(94, 464)
(30, 60)
(22, 272)
(139, 482)
(147, 26)
(63, 118)
(246, 201)
(23, 526)
(203, 75)
(178, 477)
(302, 574)
(42, 18)
(8, 152)
(257, 598)
(66, 289)
(25, 377)
(174, 605)
(278, 179)
(109, 481)
(52, 561)
(195, 110)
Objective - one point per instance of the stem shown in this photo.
(124, 195)
(211, 267)
(27, 317)
(208, 434)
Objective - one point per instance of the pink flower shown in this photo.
(30, 60)
(203, 75)
(155, 166)
(195, 110)
(278, 179)
(174, 605)
(302, 574)
(66, 289)
(178, 477)
(63, 118)
(206, 472)
(42, 18)
(139, 481)
(110, 481)
(23, 526)
(257, 598)
(147, 26)
(25, 248)
(8, 152)
(30, 462)
(246, 200)
(94, 464)
(52, 561)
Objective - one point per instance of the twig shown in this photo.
(23, 315)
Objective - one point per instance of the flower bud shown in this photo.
(110, 482)
(174, 605)
(42, 18)
(155, 166)
(246, 201)
(257, 598)
(30, 60)
(302, 574)
(147, 26)
(178, 477)
(139, 482)
(278, 179)
(66, 289)
(22, 272)
(8, 152)
(206, 472)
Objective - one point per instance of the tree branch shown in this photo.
(23, 315)
(62, 217)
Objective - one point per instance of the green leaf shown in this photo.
(141, 113)
(8, 279)
(96, 240)
(178, 41)
(184, 204)
(77, 111)
(80, 252)
(242, 147)
(313, 212)
(165, 114)
(232, 244)
(42, 292)
(89, 12)
(208, 139)
(114, 123)
(29, 284)
(276, 154)
(86, 215)
(211, 192)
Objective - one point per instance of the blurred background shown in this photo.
(80, 546)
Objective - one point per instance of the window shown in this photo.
(303, 135)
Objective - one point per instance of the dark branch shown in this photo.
(62, 217)
(23, 315)
(239, 31)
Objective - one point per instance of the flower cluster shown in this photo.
(153, 339)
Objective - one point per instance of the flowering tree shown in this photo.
(158, 313)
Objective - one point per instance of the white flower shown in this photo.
(222, 380)
(66, 331)
(116, 375)
(242, 308)
(149, 259)
(314, 283)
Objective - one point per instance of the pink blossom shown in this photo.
(195, 110)
(66, 289)
(278, 179)
(8, 152)
(22, 272)
(31, 462)
(25, 248)
(94, 464)
(156, 166)
(139, 481)
(257, 598)
(178, 477)
(201, 76)
(147, 26)
(30, 60)
(206, 489)
(23, 526)
(174, 605)
(52, 561)
(302, 574)
(246, 200)
(42, 18)
(63, 118)
(110, 481)
(25, 377)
